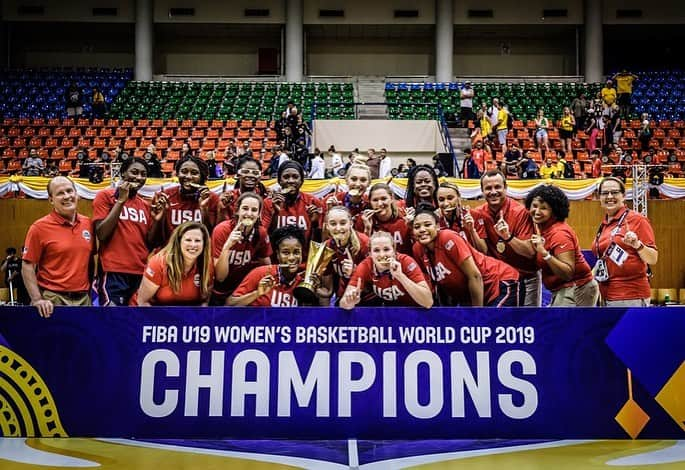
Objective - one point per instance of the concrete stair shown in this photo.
(371, 90)
(460, 142)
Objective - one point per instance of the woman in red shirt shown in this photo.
(463, 275)
(274, 285)
(387, 278)
(624, 247)
(182, 272)
(564, 269)
(247, 180)
(239, 245)
(351, 248)
(358, 178)
(385, 216)
(451, 209)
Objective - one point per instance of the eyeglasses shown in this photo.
(610, 193)
(249, 172)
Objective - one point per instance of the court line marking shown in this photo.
(432, 458)
(671, 454)
(353, 454)
(16, 450)
(271, 458)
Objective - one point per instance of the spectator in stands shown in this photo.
(493, 114)
(33, 164)
(336, 161)
(624, 247)
(608, 93)
(501, 228)
(411, 163)
(191, 200)
(595, 125)
(57, 258)
(351, 247)
(400, 171)
(512, 160)
(596, 168)
(387, 278)
(624, 89)
(74, 101)
(479, 155)
(422, 188)
(548, 170)
(239, 244)
(11, 266)
(98, 103)
(84, 167)
(126, 226)
(644, 134)
(462, 274)
(182, 273)
(212, 166)
(373, 162)
(564, 270)
(438, 166)
(502, 126)
(51, 169)
(566, 127)
(562, 165)
(466, 103)
(541, 131)
(153, 165)
(385, 164)
(579, 109)
(615, 125)
(290, 205)
(274, 285)
(528, 168)
(318, 166)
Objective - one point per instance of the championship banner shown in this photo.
(324, 373)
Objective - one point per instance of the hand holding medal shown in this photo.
(538, 241)
(502, 229)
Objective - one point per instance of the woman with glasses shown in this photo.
(248, 176)
(624, 247)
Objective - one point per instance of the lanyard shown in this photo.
(600, 230)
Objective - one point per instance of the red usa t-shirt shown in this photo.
(243, 257)
(281, 295)
(295, 214)
(335, 266)
(397, 227)
(344, 198)
(520, 225)
(629, 280)
(443, 267)
(383, 287)
(190, 292)
(126, 249)
(186, 209)
(560, 238)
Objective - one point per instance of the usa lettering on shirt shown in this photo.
(388, 293)
(397, 237)
(282, 299)
(239, 258)
(298, 220)
(133, 214)
(185, 215)
(439, 272)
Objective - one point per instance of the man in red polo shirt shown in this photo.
(502, 228)
(58, 252)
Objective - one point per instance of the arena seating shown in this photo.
(40, 93)
(661, 94)
(235, 100)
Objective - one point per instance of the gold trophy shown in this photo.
(319, 257)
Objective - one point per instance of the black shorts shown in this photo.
(565, 134)
(623, 99)
(116, 289)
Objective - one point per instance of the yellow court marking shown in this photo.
(112, 456)
(587, 456)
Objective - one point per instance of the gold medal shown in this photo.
(501, 246)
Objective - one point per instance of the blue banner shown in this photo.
(323, 373)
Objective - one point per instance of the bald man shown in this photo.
(58, 252)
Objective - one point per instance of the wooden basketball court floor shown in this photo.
(21, 454)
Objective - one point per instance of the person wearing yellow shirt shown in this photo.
(548, 170)
(502, 127)
(608, 93)
(567, 124)
(624, 91)
(561, 164)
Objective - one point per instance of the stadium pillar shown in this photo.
(294, 45)
(594, 41)
(144, 37)
(444, 40)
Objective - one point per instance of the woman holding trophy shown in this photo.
(350, 248)
(239, 245)
(387, 278)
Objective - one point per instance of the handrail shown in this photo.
(446, 140)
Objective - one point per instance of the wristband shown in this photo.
(547, 257)
(509, 239)
(639, 248)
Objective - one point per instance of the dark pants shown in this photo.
(116, 289)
